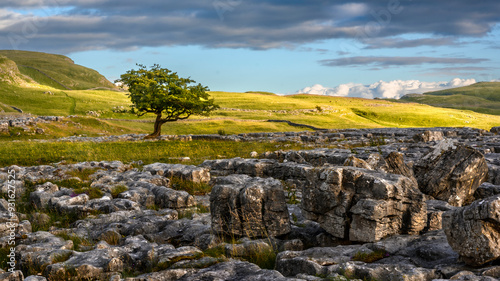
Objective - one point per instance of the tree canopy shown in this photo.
(162, 92)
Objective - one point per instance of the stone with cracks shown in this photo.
(452, 174)
(246, 206)
(428, 136)
(474, 231)
(185, 172)
(363, 205)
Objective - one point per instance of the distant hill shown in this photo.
(56, 71)
(483, 97)
(45, 84)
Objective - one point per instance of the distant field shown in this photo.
(481, 97)
(41, 82)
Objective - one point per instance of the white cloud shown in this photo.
(382, 89)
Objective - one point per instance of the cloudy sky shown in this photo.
(377, 48)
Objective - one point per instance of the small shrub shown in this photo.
(117, 190)
(221, 132)
(190, 187)
(78, 242)
(112, 238)
(188, 213)
(370, 257)
(84, 174)
(61, 257)
(318, 108)
(216, 252)
(4, 259)
(265, 258)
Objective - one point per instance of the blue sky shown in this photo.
(378, 48)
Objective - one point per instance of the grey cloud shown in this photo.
(397, 61)
(257, 24)
(401, 43)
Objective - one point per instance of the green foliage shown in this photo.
(161, 91)
(55, 218)
(83, 174)
(80, 187)
(117, 190)
(370, 257)
(4, 259)
(265, 258)
(27, 153)
(79, 244)
(189, 212)
(193, 188)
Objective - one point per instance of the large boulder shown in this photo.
(363, 205)
(474, 231)
(254, 207)
(451, 174)
(428, 136)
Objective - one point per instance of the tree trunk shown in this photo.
(157, 128)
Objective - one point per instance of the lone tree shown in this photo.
(162, 92)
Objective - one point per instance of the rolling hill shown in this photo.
(483, 97)
(101, 111)
(56, 71)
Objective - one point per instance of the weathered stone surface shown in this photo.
(96, 264)
(495, 130)
(4, 127)
(254, 207)
(168, 198)
(313, 261)
(12, 276)
(486, 190)
(451, 175)
(474, 231)
(35, 278)
(383, 271)
(186, 172)
(378, 204)
(251, 167)
(125, 223)
(435, 211)
(235, 270)
(356, 162)
(164, 275)
(395, 164)
(146, 237)
(428, 136)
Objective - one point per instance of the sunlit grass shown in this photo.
(27, 153)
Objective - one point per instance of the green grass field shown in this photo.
(483, 97)
(58, 67)
(239, 112)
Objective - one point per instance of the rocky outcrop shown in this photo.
(235, 270)
(428, 136)
(363, 205)
(474, 231)
(246, 206)
(186, 172)
(451, 174)
(134, 223)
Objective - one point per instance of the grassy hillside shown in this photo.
(57, 71)
(483, 97)
(239, 112)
